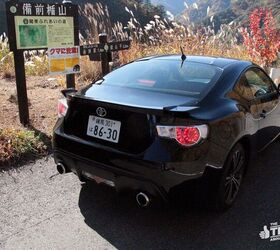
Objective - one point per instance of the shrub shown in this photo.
(16, 143)
(263, 39)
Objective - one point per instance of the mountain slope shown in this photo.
(143, 14)
(225, 11)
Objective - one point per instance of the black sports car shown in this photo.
(158, 122)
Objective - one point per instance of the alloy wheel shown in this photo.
(234, 176)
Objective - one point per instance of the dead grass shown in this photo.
(139, 50)
(43, 93)
(91, 71)
(36, 63)
(18, 143)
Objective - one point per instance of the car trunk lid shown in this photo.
(137, 111)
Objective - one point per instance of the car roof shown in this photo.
(220, 62)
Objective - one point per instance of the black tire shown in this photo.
(230, 179)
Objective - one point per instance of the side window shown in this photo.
(260, 84)
(243, 89)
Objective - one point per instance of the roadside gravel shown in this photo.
(39, 210)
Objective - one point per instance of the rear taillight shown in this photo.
(185, 135)
(62, 107)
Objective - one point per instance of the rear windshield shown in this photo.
(168, 76)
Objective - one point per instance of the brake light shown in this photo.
(62, 107)
(185, 135)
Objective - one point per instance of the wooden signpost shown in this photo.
(34, 26)
(102, 51)
(41, 26)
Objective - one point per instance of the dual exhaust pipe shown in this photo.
(143, 200)
(62, 169)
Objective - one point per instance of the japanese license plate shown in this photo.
(105, 129)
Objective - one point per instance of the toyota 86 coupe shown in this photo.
(158, 122)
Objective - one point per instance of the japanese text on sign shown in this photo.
(42, 25)
(42, 32)
(64, 60)
(39, 9)
(108, 47)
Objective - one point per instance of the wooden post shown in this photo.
(70, 78)
(21, 87)
(70, 81)
(104, 55)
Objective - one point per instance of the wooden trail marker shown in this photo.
(102, 51)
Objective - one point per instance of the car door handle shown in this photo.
(263, 114)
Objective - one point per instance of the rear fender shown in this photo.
(247, 141)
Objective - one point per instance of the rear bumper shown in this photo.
(126, 171)
(123, 179)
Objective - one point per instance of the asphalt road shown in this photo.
(42, 210)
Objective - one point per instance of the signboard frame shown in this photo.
(16, 9)
(30, 9)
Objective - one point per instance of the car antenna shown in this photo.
(183, 57)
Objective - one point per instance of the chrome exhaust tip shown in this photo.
(143, 199)
(61, 168)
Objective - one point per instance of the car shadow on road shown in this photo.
(125, 226)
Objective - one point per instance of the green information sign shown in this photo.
(42, 25)
(41, 32)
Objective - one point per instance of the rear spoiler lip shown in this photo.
(179, 108)
(141, 109)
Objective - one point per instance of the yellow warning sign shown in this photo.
(64, 60)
